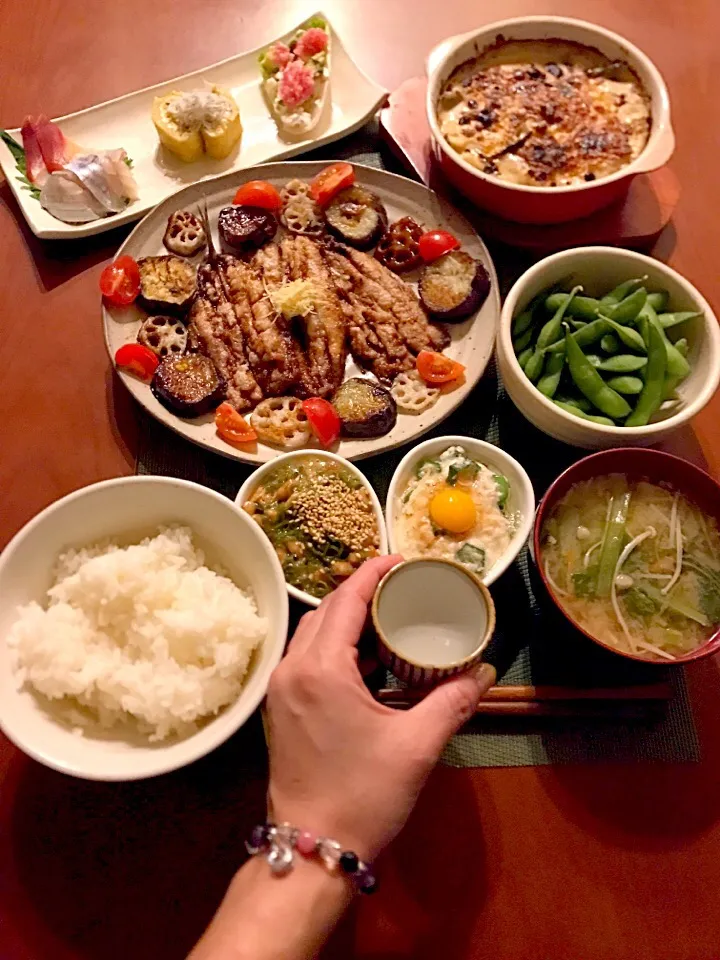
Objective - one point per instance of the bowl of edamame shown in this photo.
(602, 347)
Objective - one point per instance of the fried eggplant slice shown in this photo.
(167, 284)
(365, 408)
(189, 386)
(356, 216)
(454, 286)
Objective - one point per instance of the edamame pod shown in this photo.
(627, 310)
(550, 380)
(653, 388)
(583, 338)
(670, 387)
(682, 346)
(628, 386)
(580, 402)
(591, 384)
(553, 329)
(677, 365)
(631, 338)
(658, 300)
(668, 320)
(585, 308)
(619, 292)
(621, 363)
(577, 412)
(609, 343)
(525, 356)
(519, 343)
(534, 365)
(578, 324)
(526, 318)
(550, 333)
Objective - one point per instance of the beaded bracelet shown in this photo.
(277, 842)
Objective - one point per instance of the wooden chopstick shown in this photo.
(550, 700)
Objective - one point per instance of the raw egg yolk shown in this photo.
(453, 510)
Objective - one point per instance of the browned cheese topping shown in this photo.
(545, 113)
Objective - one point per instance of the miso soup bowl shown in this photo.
(636, 463)
(443, 600)
(537, 204)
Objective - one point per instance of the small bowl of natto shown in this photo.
(321, 515)
(433, 619)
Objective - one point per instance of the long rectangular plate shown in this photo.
(125, 122)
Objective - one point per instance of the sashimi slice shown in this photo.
(64, 196)
(52, 144)
(91, 172)
(35, 165)
(116, 161)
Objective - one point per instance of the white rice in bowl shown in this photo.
(145, 634)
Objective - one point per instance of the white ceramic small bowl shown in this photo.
(433, 620)
(255, 478)
(130, 508)
(599, 269)
(521, 499)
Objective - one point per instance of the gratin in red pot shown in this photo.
(529, 204)
(637, 463)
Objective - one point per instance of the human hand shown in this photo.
(341, 764)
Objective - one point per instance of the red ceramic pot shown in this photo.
(529, 204)
(637, 463)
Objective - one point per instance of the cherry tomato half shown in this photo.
(258, 193)
(435, 243)
(330, 181)
(436, 368)
(138, 359)
(323, 419)
(120, 281)
(232, 426)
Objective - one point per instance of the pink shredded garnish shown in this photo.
(313, 41)
(296, 84)
(279, 54)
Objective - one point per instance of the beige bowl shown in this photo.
(599, 269)
(433, 620)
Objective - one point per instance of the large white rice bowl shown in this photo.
(147, 650)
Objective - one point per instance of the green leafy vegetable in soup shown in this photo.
(320, 520)
(636, 564)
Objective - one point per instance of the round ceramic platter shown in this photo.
(472, 340)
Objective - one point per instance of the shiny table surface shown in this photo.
(597, 862)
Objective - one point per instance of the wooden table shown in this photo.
(601, 862)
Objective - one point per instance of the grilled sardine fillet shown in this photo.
(213, 324)
(386, 324)
(320, 335)
(269, 346)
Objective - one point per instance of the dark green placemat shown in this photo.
(532, 644)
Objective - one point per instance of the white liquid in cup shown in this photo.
(434, 644)
(432, 614)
